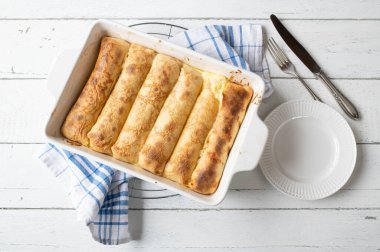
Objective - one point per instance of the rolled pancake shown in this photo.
(186, 153)
(86, 109)
(207, 173)
(149, 101)
(114, 114)
(171, 120)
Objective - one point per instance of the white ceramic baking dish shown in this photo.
(72, 69)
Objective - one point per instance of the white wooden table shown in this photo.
(35, 213)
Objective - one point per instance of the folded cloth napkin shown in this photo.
(98, 192)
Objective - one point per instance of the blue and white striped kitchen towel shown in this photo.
(98, 192)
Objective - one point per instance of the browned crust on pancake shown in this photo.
(114, 114)
(206, 176)
(189, 146)
(86, 109)
(186, 153)
(171, 120)
(149, 101)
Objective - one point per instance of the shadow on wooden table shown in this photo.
(140, 194)
(271, 103)
(360, 159)
(135, 219)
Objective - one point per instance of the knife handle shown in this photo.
(343, 102)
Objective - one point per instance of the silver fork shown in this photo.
(287, 66)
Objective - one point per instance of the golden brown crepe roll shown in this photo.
(186, 153)
(112, 118)
(85, 111)
(207, 173)
(149, 101)
(167, 129)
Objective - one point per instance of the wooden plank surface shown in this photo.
(26, 183)
(196, 9)
(196, 230)
(345, 48)
(35, 213)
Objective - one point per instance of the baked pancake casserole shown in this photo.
(154, 111)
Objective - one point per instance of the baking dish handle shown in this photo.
(253, 146)
(60, 72)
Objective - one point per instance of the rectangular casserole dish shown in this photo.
(72, 69)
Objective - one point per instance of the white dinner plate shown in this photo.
(311, 150)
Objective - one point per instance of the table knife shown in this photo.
(310, 63)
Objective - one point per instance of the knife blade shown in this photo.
(310, 63)
(296, 47)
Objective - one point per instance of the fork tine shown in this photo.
(277, 50)
(279, 62)
(281, 52)
(275, 54)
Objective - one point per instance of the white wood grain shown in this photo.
(20, 169)
(88, 9)
(26, 104)
(26, 183)
(344, 48)
(194, 230)
(24, 109)
(35, 213)
(55, 198)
